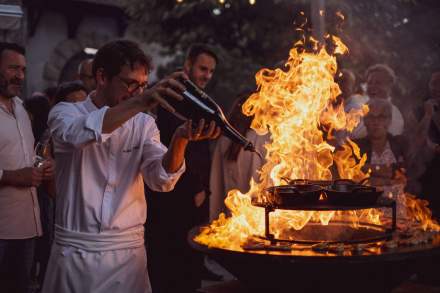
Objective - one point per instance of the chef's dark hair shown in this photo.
(114, 55)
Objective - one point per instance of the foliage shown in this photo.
(249, 37)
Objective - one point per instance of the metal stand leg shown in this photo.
(394, 207)
(269, 236)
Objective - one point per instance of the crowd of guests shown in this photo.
(77, 221)
(402, 149)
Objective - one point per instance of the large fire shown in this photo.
(295, 105)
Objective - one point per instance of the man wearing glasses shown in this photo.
(105, 148)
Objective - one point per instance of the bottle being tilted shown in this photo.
(196, 104)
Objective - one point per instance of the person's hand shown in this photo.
(200, 132)
(48, 168)
(430, 106)
(27, 177)
(199, 198)
(169, 87)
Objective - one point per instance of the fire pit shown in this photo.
(378, 267)
(315, 234)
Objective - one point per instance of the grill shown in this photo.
(338, 195)
(301, 268)
(338, 257)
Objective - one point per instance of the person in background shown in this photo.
(380, 81)
(71, 92)
(232, 167)
(346, 80)
(19, 210)
(38, 108)
(85, 75)
(173, 265)
(50, 94)
(348, 84)
(386, 154)
(428, 135)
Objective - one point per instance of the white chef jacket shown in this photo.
(101, 207)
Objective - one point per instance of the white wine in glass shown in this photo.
(42, 151)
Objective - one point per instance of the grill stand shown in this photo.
(381, 203)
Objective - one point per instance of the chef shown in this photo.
(105, 147)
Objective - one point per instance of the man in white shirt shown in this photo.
(104, 147)
(380, 81)
(19, 212)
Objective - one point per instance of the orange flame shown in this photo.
(295, 105)
(418, 211)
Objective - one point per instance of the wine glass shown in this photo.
(42, 152)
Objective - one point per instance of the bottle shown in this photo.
(196, 104)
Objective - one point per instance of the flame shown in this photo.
(340, 46)
(296, 106)
(418, 211)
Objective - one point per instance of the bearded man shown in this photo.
(19, 211)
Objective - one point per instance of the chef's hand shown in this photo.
(173, 158)
(168, 87)
(200, 132)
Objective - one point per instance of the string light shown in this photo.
(216, 11)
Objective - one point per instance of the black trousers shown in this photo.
(16, 258)
(173, 266)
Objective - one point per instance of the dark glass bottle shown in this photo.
(197, 105)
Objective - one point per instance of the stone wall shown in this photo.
(49, 50)
(12, 30)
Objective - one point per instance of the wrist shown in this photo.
(7, 177)
(139, 103)
(179, 140)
